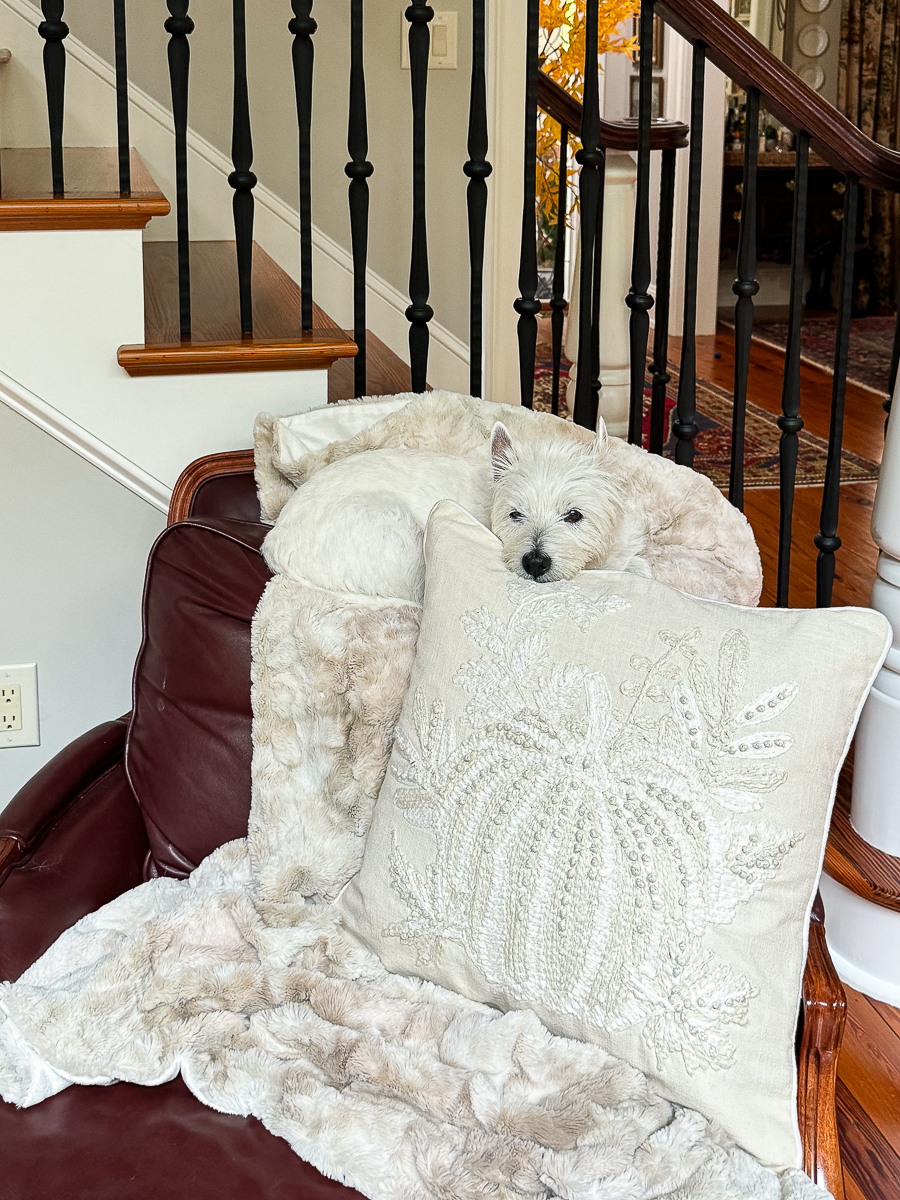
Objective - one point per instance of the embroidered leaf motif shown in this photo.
(758, 778)
(734, 654)
(529, 656)
(561, 690)
(583, 610)
(760, 745)
(485, 629)
(703, 683)
(767, 706)
(736, 799)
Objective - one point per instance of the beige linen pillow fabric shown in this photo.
(608, 801)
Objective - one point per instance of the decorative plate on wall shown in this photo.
(812, 75)
(813, 40)
(815, 6)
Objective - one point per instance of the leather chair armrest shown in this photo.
(46, 796)
(824, 1015)
(72, 840)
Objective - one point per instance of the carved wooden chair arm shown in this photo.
(824, 1014)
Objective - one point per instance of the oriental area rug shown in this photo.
(713, 442)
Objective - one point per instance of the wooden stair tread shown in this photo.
(849, 859)
(386, 373)
(91, 200)
(278, 342)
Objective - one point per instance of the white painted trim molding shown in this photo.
(85, 444)
(863, 941)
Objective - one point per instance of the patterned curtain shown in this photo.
(867, 94)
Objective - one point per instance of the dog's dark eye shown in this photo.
(573, 516)
(516, 516)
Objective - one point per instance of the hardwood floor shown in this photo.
(868, 1097)
(863, 434)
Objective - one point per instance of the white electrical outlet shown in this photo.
(442, 42)
(19, 724)
(10, 708)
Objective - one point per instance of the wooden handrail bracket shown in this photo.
(614, 135)
(10, 853)
(863, 869)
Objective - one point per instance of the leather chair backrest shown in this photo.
(189, 742)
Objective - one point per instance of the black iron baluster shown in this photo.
(827, 540)
(302, 25)
(591, 159)
(179, 26)
(358, 171)
(242, 178)
(419, 312)
(661, 374)
(596, 385)
(745, 288)
(790, 422)
(527, 305)
(557, 302)
(122, 98)
(685, 424)
(54, 31)
(477, 169)
(639, 299)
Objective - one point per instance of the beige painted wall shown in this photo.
(71, 576)
(273, 116)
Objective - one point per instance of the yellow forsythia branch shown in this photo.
(562, 53)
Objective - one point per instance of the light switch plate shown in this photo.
(443, 30)
(19, 724)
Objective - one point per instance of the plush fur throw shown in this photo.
(694, 539)
(242, 979)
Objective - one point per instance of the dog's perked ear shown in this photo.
(503, 454)
(601, 444)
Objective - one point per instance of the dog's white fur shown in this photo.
(353, 525)
(638, 512)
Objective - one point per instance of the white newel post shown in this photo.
(864, 938)
(615, 280)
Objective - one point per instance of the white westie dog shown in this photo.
(558, 506)
(561, 506)
(556, 512)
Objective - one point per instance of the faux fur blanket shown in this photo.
(242, 979)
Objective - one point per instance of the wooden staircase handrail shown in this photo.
(614, 135)
(738, 53)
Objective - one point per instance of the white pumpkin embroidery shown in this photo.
(581, 851)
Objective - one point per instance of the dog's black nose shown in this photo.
(536, 562)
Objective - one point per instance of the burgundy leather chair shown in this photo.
(153, 793)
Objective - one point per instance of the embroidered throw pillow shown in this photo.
(608, 802)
